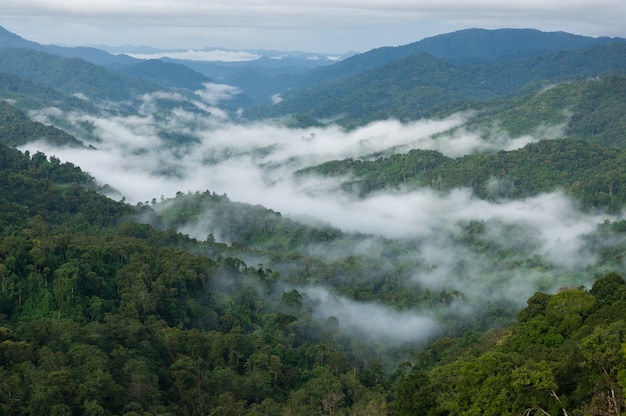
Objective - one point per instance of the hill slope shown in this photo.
(174, 74)
(92, 55)
(71, 75)
(100, 314)
(592, 109)
(17, 129)
(28, 94)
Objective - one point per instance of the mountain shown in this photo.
(258, 79)
(174, 74)
(422, 85)
(11, 40)
(589, 115)
(93, 55)
(464, 47)
(72, 75)
(32, 95)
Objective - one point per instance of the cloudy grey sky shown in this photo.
(334, 26)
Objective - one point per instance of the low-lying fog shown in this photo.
(253, 163)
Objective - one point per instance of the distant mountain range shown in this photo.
(269, 72)
(436, 75)
(93, 55)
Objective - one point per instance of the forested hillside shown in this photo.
(101, 315)
(421, 85)
(34, 95)
(72, 75)
(564, 356)
(592, 109)
(16, 129)
(591, 174)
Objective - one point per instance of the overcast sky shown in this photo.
(327, 26)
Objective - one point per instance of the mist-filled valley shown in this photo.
(310, 254)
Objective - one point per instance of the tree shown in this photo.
(536, 305)
(414, 395)
(142, 383)
(608, 289)
(566, 310)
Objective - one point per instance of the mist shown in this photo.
(372, 321)
(254, 163)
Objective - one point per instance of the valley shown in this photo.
(435, 229)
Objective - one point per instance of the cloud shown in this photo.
(277, 99)
(81, 96)
(372, 321)
(214, 94)
(202, 55)
(242, 11)
(42, 115)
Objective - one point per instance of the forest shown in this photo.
(437, 281)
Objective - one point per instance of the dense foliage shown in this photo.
(99, 315)
(566, 355)
(33, 95)
(363, 268)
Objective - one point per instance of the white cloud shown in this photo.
(372, 321)
(202, 55)
(42, 115)
(277, 99)
(213, 94)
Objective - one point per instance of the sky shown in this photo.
(323, 26)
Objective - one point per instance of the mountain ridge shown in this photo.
(485, 45)
(266, 77)
(422, 85)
